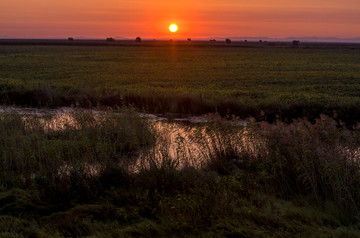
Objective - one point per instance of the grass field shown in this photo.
(108, 173)
(263, 80)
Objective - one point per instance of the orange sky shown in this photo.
(196, 18)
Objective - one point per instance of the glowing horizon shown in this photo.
(200, 19)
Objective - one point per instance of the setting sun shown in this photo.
(173, 28)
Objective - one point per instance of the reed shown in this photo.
(117, 174)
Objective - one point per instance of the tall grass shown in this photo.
(31, 148)
(119, 174)
(319, 159)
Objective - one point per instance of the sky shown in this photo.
(195, 18)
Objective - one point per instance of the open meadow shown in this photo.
(104, 168)
(263, 80)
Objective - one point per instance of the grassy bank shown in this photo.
(108, 175)
(266, 82)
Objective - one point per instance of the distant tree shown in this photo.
(212, 40)
(245, 40)
(188, 39)
(228, 41)
(295, 43)
(260, 41)
(138, 39)
(110, 39)
(70, 39)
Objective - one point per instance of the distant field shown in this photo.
(265, 80)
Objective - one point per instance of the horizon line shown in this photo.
(233, 38)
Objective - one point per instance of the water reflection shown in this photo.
(179, 142)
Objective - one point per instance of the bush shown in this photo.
(317, 159)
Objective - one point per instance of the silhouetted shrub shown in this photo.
(228, 41)
(138, 39)
(295, 43)
(110, 39)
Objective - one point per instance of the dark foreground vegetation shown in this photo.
(268, 81)
(115, 175)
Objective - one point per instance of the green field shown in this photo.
(113, 173)
(188, 77)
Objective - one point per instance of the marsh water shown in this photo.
(179, 140)
(183, 139)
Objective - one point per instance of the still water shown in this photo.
(180, 140)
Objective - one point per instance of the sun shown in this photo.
(173, 28)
